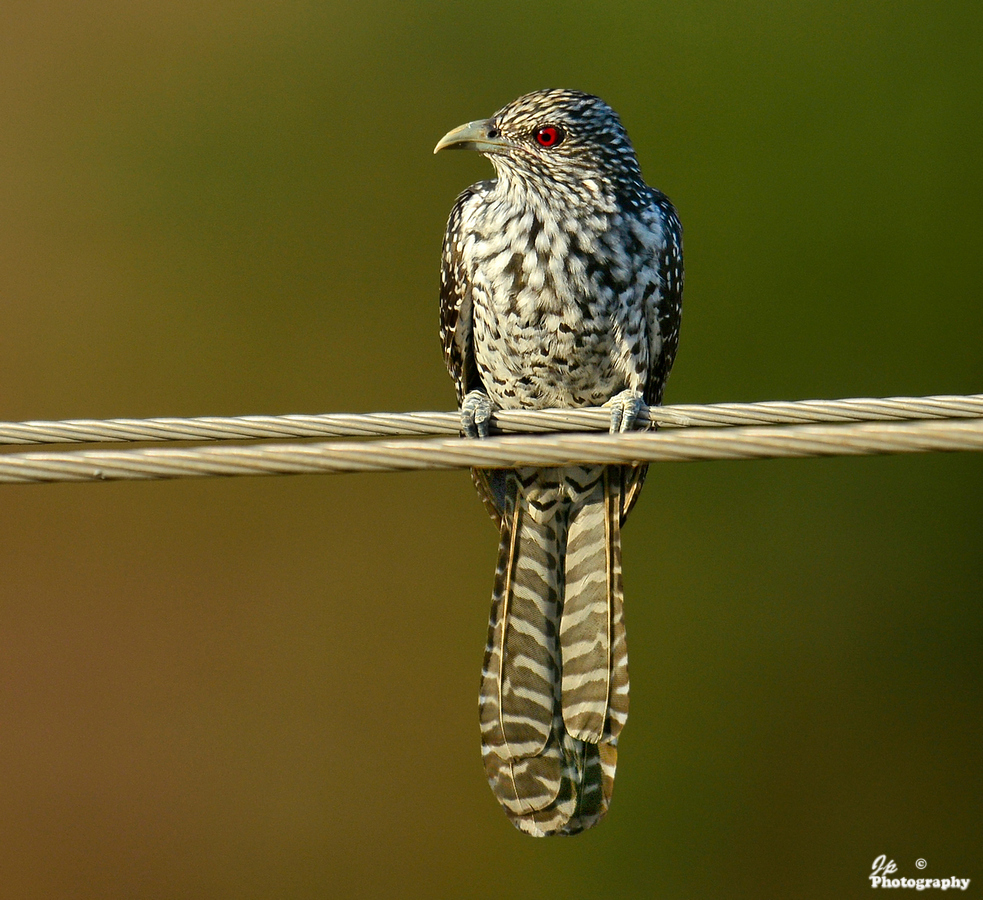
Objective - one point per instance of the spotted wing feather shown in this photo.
(663, 299)
(456, 335)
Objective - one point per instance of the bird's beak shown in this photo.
(482, 136)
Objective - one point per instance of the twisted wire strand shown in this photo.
(756, 442)
(217, 428)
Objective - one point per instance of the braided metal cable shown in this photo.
(215, 428)
(497, 452)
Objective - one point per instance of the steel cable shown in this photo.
(755, 442)
(215, 428)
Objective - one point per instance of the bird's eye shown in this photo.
(549, 136)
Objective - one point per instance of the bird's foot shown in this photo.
(476, 413)
(625, 408)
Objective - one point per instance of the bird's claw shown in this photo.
(625, 408)
(476, 413)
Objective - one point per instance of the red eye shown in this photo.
(549, 136)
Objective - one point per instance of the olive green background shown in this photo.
(267, 687)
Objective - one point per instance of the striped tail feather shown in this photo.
(554, 692)
(592, 630)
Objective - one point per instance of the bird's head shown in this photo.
(553, 136)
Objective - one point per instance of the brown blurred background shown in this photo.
(267, 687)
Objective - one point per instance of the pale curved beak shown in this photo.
(482, 135)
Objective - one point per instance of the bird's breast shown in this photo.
(558, 312)
(546, 335)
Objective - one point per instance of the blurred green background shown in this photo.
(267, 687)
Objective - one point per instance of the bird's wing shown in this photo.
(663, 311)
(455, 294)
(456, 334)
(666, 304)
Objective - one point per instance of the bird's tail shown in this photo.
(554, 690)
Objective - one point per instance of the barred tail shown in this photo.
(554, 691)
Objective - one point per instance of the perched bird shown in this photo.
(561, 286)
